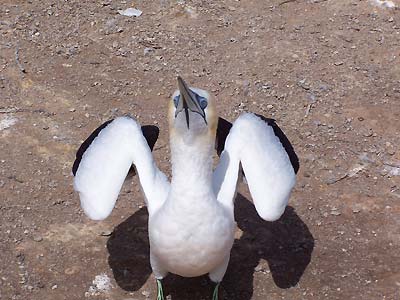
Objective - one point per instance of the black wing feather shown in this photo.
(223, 129)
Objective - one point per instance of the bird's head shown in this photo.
(192, 114)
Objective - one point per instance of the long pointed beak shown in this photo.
(188, 101)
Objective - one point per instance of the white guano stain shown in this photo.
(7, 122)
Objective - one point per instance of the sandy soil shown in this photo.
(327, 71)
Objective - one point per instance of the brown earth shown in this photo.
(327, 71)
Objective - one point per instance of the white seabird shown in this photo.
(191, 218)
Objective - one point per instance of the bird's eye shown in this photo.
(202, 102)
(176, 100)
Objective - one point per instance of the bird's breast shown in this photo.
(191, 240)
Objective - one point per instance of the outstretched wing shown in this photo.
(267, 158)
(104, 159)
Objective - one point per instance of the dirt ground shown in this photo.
(327, 71)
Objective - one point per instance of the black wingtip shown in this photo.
(223, 129)
(294, 160)
(151, 133)
(86, 145)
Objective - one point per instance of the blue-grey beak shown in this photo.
(188, 101)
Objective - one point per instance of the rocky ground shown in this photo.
(327, 71)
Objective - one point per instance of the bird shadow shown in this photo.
(286, 246)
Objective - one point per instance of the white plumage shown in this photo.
(191, 219)
(106, 163)
(269, 173)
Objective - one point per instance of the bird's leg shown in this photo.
(217, 274)
(215, 293)
(160, 293)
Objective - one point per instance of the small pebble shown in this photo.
(37, 238)
(146, 294)
(106, 233)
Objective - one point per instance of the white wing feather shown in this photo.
(269, 173)
(105, 164)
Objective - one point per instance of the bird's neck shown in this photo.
(191, 166)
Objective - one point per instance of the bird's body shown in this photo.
(191, 218)
(192, 238)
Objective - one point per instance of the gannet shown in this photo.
(191, 219)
